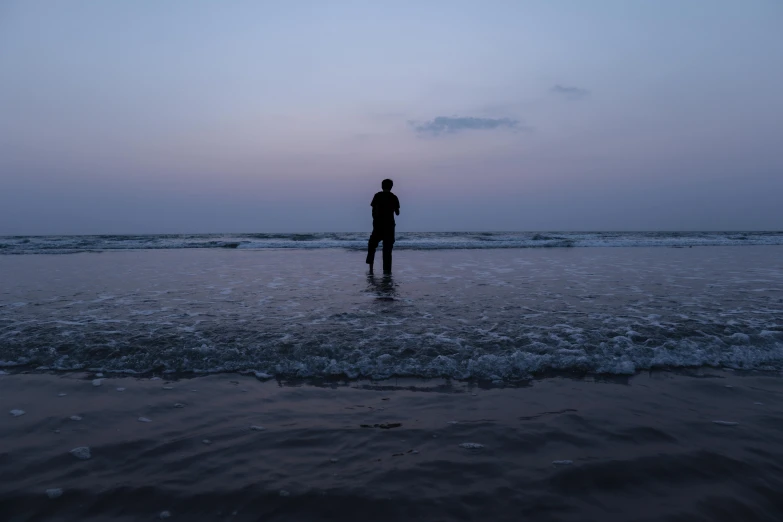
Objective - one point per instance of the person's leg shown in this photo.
(387, 256)
(372, 244)
(388, 244)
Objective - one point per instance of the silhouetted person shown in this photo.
(384, 206)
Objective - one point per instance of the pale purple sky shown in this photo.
(193, 116)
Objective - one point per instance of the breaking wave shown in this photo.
(405, 241)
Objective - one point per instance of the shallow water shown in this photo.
(616, 445)
(497, 315)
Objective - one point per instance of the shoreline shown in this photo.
(342, 380)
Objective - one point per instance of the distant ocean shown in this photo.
(405, 241)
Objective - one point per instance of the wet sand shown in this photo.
(640, 448)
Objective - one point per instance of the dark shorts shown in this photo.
(381, 232)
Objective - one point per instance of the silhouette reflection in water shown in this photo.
(383, 287)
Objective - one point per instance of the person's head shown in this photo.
(387, 185)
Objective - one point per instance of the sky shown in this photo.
(190, 116)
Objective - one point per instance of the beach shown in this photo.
(581, 318)
(539, 384)
(660, 446)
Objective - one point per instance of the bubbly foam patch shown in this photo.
(492, 315)
(81, 453)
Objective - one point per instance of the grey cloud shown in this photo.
(572, 93)
(450, 125)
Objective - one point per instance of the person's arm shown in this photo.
(372, 204)
(397, 206)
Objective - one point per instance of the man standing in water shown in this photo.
(384, 206)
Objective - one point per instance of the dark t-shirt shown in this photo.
(384, 205)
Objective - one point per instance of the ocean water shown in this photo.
(405, 241)
(471, 384)
(496, 315)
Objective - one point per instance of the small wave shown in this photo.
(405, 241)
(511, 365)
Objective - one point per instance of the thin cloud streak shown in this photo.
(453, 124)
(572, 93)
